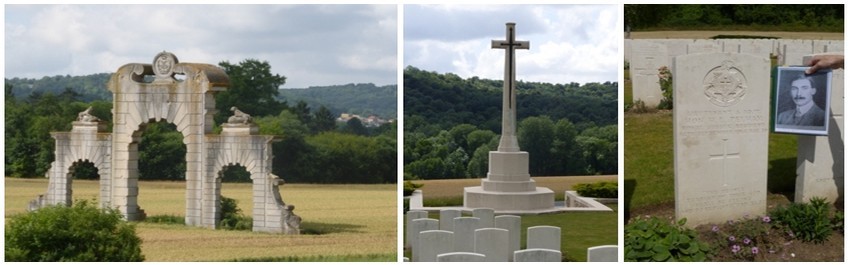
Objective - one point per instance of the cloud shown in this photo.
(569, 43)
(326, 44)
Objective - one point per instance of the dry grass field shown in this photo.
(352, 220)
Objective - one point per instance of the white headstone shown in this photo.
(544, 236)
(492, 243)
(647, 57)
(537, 255)
(606, 253)
(793, 50)
(835, 46)
(720, 126)
(513, 224)
(486, 216)
(465, 233)
(447, 219)
(460, 257)
(704, 46)
(409, 217)
(433, 243)
(758, 47)
(675, 47)
(820, 166)
(418, 226)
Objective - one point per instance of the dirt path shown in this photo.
(709, 34)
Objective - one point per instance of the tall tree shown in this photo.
(323, 120)
(253, 89)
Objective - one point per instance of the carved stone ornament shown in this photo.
(86, 116)
(725, 85)
(163, 64)
(239, 117)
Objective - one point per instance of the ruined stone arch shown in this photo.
(149, 92)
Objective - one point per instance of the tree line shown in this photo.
(360, 99)
(451, 125)
(800, 17)
(314, 147)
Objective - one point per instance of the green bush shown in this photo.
(165, 219)
(665, 80)
(81, 232)
(409, 187)
(807, 221)
(602, 189)
(655, 240)
(231, 216)
(742, 239)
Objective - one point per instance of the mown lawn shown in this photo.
(579, 230)
(348, 222)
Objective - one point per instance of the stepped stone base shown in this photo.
(477, 197)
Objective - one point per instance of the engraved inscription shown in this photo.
(696, 122)
(722, 199)
(725, 85)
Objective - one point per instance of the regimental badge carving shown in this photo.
(725, 85)
(163, 64)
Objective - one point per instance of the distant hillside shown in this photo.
(89, 87)
(361, 99)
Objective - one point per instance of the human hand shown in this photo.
(822, 61)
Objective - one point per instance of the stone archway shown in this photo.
(149, 92)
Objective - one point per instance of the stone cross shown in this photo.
(508, 140)
(723, 156)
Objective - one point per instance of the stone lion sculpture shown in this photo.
(239, 117)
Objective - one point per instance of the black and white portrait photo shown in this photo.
(802, 101)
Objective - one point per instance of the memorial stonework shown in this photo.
(721, 123)
(508, 186)
(646, 58)
(820, 159)
(704, 46)
(149, 92)
(793, 50)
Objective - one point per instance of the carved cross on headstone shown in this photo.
(723, 156)
(508, 140)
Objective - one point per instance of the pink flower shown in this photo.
(754, 250)
(747, 241)
(765, 219)
(736, 248)
(715, 228)
(732, 238)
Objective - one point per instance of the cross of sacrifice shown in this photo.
(508, 140)
(723, 156)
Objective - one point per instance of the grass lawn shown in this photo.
(351, 222)
(579, 230)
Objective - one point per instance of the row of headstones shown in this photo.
(484, 235)
(646, 56)
(594, 254)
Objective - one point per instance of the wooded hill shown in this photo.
(360, 99)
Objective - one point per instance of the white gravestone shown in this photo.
(465, 233)
(793, 50)
(492, 243)
(606, 253)
(460, 257)
(486, 217)
(447, 219)
(537, 255)
(704, 46)
(820, 166)
(544, 236)
(647, 58)
(433, 243)
(418, 226)
(513, 224)
(834, 46)
(409, 217)
(759, 47)
(508, 186)
(720, 127)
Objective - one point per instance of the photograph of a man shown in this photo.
(802, 101)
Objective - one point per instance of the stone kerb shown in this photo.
(537, 255)
(418, 226)
(433, 243)
(492, 243)
(409, 217)
(513, 224)
(464, 233)
(607, 253)
(720, 126)
(545, 237)
(820, 167)
(460, 257)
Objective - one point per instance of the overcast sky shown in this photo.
(311, 45)
(569, 43)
